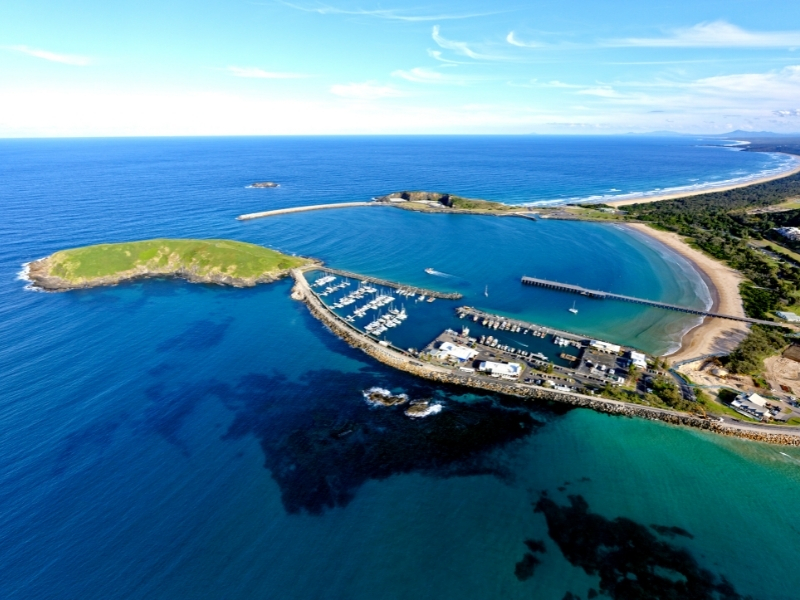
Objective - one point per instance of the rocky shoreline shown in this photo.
(37, 273)
(404, 362)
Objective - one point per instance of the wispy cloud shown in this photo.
(66, 59)
(787, 113)
(437, 54)
(388, 13)
(715, 34)
(511, 38)
(365, 91)
(423, 75)
(461, 48)
(256, 73)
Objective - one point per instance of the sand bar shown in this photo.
(712, 335)
(721, 188)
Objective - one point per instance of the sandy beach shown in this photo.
(721, 188)
(712, 335)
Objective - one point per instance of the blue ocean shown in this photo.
(169, 440)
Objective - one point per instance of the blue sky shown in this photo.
(208, 67)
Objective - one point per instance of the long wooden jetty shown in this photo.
(391, 284)
(576, 289)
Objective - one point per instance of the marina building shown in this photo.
(605, 347)
(495, 368)
(637, 359)
(460, 353)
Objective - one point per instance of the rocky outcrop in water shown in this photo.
(265, 184)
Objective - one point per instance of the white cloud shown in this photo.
(437, 54)
(512, 39)
(391, 14)
(423, 75)
(602, 91)
(66, 59)
(458, 47)
(787, 113)
(560, 84)
(365, 91)
(716, 34)
(256, 73)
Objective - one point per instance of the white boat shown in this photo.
(573, 310)
(486, 291)
(430, 271)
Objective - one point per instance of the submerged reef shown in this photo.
(321, 441)
(630, 560)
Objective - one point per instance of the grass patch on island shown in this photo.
(237, 259)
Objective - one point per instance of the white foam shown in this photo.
(786, 164)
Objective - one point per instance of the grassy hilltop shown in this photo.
(212, 261)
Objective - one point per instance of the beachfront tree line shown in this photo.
(723, 225)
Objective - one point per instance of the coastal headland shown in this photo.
(223, 262)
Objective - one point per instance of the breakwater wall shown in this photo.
(392, 284)
(405, 362)
(297, 209)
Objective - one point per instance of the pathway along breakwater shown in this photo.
(400, 360)
(391, 284)
(600, 295)
(297, 209)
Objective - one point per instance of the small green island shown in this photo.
(223, 262)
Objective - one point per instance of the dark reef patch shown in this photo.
(631, 562)
(322, 441)
(671, 531)
(201, 335)
(526, 568)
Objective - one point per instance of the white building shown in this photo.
(510, 369)
(753, 398)
(605, 347)
(788, 316)
(638, 359)
(792, 233)
(460, 353)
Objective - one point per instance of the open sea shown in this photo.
(168, 440)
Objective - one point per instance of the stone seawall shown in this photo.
(404, 362)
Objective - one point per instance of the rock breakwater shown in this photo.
(405, 362)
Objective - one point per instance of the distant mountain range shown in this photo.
(732, 134)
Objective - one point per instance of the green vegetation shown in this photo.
(202, 258)
(665, 394)
(477, 205)
(723, 225)
(761, 342)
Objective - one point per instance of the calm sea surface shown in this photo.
(168, 440)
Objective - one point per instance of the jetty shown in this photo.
(600, 295)
(297, 209)
(386, 283)
(405, 361)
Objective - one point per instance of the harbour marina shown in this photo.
(371, 306)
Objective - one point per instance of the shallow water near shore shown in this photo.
(165, 440)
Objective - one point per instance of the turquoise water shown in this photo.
(165, 440)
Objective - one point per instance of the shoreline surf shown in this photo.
(793, 167)
(711, 335)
